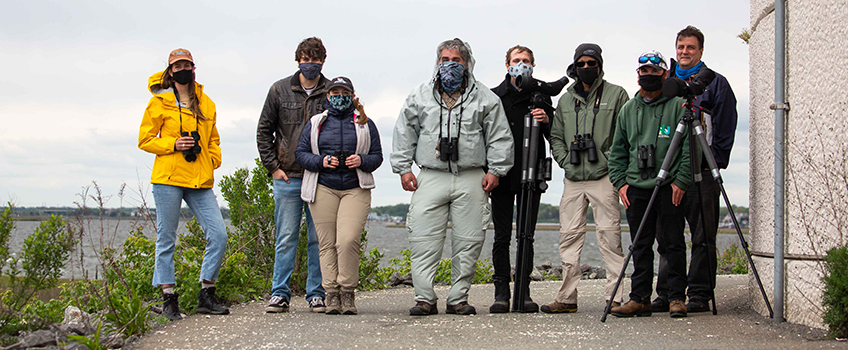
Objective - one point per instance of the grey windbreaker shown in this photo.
(485, 140)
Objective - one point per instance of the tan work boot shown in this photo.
(632, 308)
(334, 306)
(348, 302)
(677, 309)
(559, 308)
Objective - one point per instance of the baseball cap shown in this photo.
(180, 54)
(342, 82)
(652, 58)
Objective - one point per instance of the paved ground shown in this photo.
(383, 322)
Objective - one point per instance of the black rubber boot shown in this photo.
(207, 303)
(171, 307)
(501, 304)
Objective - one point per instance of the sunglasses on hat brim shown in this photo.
(652, 59)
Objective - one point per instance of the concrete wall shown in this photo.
(816, 149)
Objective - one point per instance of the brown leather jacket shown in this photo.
(287, 109)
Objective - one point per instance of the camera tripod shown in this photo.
(691, 122)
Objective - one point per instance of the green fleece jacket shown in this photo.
(566, 123)
(644, 123)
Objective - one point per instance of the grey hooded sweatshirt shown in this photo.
(484, 138)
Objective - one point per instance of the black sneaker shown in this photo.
(207, 303)
(659, 305)
(171, 307)
(277, 304)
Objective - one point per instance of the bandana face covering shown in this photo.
(451, 75)
(650, 82)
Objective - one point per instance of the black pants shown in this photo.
(503, 201)
(670, 218)
(702, 267)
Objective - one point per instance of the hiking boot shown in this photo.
(317, 305)
(462, 308)
(277, 304)
(348, 302)
(632, 308)
(614, 304)
(559, 308)
(334, 304)
(423, 308)
(499, 307)
(677, 309)
(659, 305)
(530, 306)
(207, 303)
(171, 307)
(696, 305)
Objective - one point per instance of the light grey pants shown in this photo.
(462, 196)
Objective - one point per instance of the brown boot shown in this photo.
(559, 308)
(423, 308)
(632, 308)
(677, 309)
(334, 306)
(347, 300)
(461, 308)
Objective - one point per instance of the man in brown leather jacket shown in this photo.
(289, 105)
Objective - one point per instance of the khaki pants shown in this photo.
(339, 218)
(439, 194)
(576, 196)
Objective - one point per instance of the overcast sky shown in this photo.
(74, 85)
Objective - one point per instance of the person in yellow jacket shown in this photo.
(179, 128)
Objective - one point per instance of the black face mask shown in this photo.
(588, 75)
(650, 82)
(184, 76)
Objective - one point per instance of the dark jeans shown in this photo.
(702, 272)
(670, 218)
(503, 201)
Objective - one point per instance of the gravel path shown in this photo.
(383, 322)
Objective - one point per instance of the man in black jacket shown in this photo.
(516, 103)
(719, 120)
(289, 105)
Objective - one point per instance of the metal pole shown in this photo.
(779, 166)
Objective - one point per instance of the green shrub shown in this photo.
(736, 258)
(835, 295)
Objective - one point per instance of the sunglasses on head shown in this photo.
(653, 59)
(581, 64)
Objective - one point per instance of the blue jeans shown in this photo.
(204, 206)
(288, 212)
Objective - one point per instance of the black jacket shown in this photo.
(516, 105)
(718, 99)
(287, 109)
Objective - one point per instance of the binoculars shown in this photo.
(449, 149)
(341, 156)
(645, 156)
(583, 142)
(191, 153)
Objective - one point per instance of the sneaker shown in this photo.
(462, 308)
(334, 304)
(677, 309)
(171, 307)
(696, 305)
(559, 308)
(423, 308)
(277, 304)
(207, 303)
(499, 307)
(632, 308)
(659, 305)
(348, 298)
(317, 305)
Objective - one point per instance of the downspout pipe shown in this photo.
(780, 108)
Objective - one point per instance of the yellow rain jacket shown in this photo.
(160, 128)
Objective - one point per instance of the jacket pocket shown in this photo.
(290, 112)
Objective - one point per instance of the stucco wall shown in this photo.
(816, 150)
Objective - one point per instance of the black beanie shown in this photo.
(591, 50)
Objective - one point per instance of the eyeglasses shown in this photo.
(653, 59)
(580, 64)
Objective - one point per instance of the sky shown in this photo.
(74, 85)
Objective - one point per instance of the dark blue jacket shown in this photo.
(337, 133)
(718, 99)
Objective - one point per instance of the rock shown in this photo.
(592, 272)
(114, 341)
(40, 338)
(546, 266)
(75, 346)
(407, 279)
(557, 271)
(132, 339)
(726, 269)
(536, 275)
(16, 346)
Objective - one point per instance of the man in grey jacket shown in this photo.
(455, 129)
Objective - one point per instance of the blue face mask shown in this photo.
(310, 70)
(451, 75)
(340, 102)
